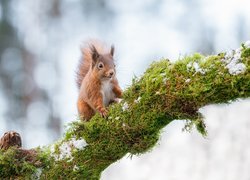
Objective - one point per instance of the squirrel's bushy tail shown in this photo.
(86, 59)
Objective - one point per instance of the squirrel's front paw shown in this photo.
(103, 112)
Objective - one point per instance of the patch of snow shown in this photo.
(66, 147)
(233, 62)
(117, 118)
(189, 65)
(238, 52)
(157, 93)
(237, 55)
(236, 68)
(196, 67)
(205, 58)
(75, 168)
(154, 79)
(229, 54)
(125, 106)
(65, 151)
(247, 44)
(79, 144)
(163, 74)
(138, 100)
(164, 80)
(188, 80)
(53, 154)
(38, 173)
(52, 149)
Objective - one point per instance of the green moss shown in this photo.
(167, 91)
(16, 165)
(245, 51)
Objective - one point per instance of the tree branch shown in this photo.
(167, 91)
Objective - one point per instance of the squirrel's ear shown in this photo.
(94, 53)
(112, 50)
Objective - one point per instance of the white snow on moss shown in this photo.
(79, 144)
(65, 149)
(188, 80)
(196, 67)
(53, 152)
(52, 149)
(189, 65)
(233, 62)
(157, 93)
(75, 168)
(247, 44)
(164, 80)
(138, 100)
(37, 173)
(236, 68)
(154, 79)
(117, 118)
(125, 106)
(163, 74)
(65, 152)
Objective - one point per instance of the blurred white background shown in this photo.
(39, 52)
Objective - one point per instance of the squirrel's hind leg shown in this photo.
(84, 110)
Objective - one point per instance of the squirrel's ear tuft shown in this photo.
(94, 53)
(112, 50)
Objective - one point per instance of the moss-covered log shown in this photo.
(167, 91)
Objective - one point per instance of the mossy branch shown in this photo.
(167, 91)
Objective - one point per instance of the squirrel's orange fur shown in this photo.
(96, 80)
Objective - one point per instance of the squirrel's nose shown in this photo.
(111, 73)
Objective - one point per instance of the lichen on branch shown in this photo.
(166, 92)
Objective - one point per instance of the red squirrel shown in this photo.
(96, 81)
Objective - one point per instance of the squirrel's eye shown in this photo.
(100, 65)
